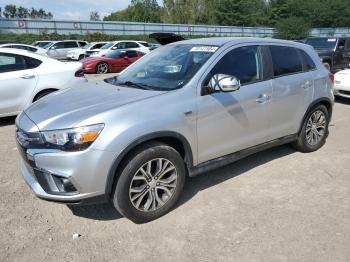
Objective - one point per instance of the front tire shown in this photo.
(314, 131)
(102, 68)
(150, 182)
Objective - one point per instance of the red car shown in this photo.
(112, 62)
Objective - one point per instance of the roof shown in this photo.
(25, 53)
(220, 41)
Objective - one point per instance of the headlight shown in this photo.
(73, 139)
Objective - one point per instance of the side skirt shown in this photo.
(231, 158)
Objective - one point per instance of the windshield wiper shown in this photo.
(137, 85)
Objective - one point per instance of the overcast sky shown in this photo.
(72, 9)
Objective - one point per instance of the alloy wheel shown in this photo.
(316, 128)
(153, 185)
(102, 68)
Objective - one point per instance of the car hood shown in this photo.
(79, 106)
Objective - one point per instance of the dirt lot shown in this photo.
(277, 205)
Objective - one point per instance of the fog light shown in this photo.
(64, 184)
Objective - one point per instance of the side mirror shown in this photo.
(224, 83)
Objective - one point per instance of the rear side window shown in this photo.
(285, 60)
(244, 63)
(308, 62)
(32, 63)
(131, 54)
(11, 62)
(70, 44)
(131, 45)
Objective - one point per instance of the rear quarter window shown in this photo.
(285, 60)
(308, 63)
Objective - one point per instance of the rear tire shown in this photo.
(314, 131)
(150, 182)
(81, 57)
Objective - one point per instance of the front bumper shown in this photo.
(72, 57)
(86, 171)
(341, 90)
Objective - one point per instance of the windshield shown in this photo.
(41, 44)
(108, 45)
(322, 43)
(88, 46)
(167, 68)
(115, 54)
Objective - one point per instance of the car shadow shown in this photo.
(342, 100)
(195, 184)
(7, 121)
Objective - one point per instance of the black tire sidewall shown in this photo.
(304, 144)
(121, 195)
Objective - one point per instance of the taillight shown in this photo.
(331, 77)
(79, 73)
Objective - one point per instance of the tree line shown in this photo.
(292, 18)
(13, 11)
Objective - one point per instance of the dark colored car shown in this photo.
(334, 51)
(112, 62)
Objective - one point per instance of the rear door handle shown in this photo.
(306, 85)
(27, 76)
(263, 98)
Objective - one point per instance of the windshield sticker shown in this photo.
(211, 49)
(332, 40)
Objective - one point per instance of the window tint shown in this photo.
(308, 62)
(58, 45)
(121, 45)
(131, 54)
(82, 43)
(11, 62)
(131, 45)
(244, 63)
(341, 44)
(70, 44)
(32, 63)
(97, 46)
(347, 44)
(285, 60)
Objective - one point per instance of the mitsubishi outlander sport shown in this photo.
(184, 109)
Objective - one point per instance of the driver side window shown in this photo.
(244, 63)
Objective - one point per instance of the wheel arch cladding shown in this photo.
(173, 139)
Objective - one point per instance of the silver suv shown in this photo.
(184, 109)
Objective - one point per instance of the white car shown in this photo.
(26, 77)
(140, 46)
(60, 49)
(30, 48)
(342, 83)
(42, 44)
(80, 53)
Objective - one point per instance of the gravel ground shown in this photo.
(277, 205)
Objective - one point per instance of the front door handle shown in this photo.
(306, 85)
(27, 76)
(263, 98)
